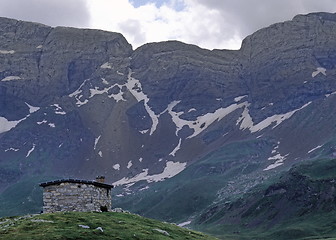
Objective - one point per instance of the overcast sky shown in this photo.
(208, 23)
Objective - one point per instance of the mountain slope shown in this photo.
(300, 204)
(166, 118)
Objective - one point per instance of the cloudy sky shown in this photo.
(208, 23)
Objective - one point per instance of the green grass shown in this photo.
(318, 169)
(117, 226)
(305, 211)
(310, 227)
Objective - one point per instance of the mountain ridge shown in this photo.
(155, 102)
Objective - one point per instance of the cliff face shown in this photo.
(288, 62)
(80, 103)
(53, 61)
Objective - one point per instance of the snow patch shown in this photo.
(116, 166)
(96, 142)
(134, 86)
(7, 52)
(246, 121)
(104, 81)
(171, 169)
(6, 125)
(192, 110)
(60, 112)
(237, 99)
(279, 160)
(178, 147)
(52, 125)
(140, 159)
(144, 131)
(77, 95)
(79, 90)
(10, 78)
(333, 93)
(43, 121)
(96, 91)
(32, 109)
(39, 46)
(144, 188)
(278, 119)
(318, 71)
(30, 151)
(312, 150)
(184, 224)
(277, 157)
(12, 149)
(58, 109)
(106, 65)
(129, 165)
(274, 165)
(100, 153)
(201, 122)
(83, 226)
(117, 97)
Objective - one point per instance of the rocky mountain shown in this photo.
(173, 125)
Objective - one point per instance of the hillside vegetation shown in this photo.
(79, 225)
(300, 204)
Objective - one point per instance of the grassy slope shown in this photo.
(24, 197)
(194, 189)
(116, 226)
(301, 204)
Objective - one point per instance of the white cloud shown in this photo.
(72, 13)
(249, 16)
(206, 23)
(193, 23)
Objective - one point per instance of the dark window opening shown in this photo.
(107, 192)
(103, 208)
(79, 186)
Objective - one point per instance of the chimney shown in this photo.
(100, 179)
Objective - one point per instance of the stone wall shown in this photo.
(76, 197)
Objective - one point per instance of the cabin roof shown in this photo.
(70, 180)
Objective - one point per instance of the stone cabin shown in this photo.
(68, 195)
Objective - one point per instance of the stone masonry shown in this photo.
(76, 195)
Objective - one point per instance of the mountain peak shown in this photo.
(316, 16)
